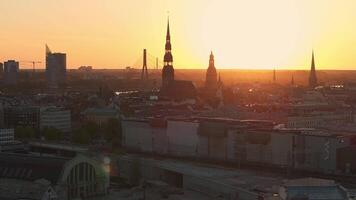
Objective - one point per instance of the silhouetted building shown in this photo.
(211, 80)
(85, 68)
(144, 73)
(180, 90)
(24, 116)
(1, 68)
(63, 177)
(168, 70)
(56, 66)
(313, 82)
(274, 76)
(292, 81)
(171, 88)
(11, 75)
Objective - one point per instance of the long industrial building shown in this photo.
(259, 143)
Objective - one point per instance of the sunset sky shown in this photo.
(249, 34)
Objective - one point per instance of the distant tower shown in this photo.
(219, 92)
(220, 83)
(157, 63)
(11, 72)
(168, 70)
(211, 75)
(56, 68)
(144, 73)
(1, 68)
(292, 81)
(312, 76)
(274, 75)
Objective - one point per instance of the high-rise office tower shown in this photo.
(56, 68)
(11, 72)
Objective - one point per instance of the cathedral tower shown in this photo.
(312, 76)
(168, 70)
(211, 75)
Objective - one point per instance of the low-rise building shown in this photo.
(312, 189)
(148, 136)
(70, 178)
(12, 189)
(100, 115)
(25, 116)
(55, 117)
(7, 136)
(251, 142)
(182, 137)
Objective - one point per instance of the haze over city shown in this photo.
(177, 100)
(243, 34)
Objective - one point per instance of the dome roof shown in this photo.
(168, 57)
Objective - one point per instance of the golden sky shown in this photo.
(250, 34)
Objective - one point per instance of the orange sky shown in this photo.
(249, 34)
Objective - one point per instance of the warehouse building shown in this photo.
(70, 178)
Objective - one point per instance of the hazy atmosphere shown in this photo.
(243, 34)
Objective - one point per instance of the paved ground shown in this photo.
(124, 195)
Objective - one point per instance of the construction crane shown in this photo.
(33, 64)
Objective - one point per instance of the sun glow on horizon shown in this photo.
(242, 34)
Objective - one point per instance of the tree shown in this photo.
(52, 134)
(80, 136)
(87, 132)
(91, 128)
(112, 129)
(26, 132)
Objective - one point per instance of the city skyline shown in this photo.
(243, 35)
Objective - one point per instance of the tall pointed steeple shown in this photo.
(211, 60)
(220, 82)
(168, 70)
(168, 34)
(313, 82)
(292, 81)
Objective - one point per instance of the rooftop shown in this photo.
(30, 167)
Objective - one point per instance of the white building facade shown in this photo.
(7, 136)
(55, 117)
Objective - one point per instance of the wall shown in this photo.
(160, 141)
(182, 138)
(277, 151)
(320, 153)
(137, 135)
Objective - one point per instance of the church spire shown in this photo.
(168, 70)
(211, 60)
(211, 82)
(313, 63)
(312, 76)
(292, 81)
(168, 34)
